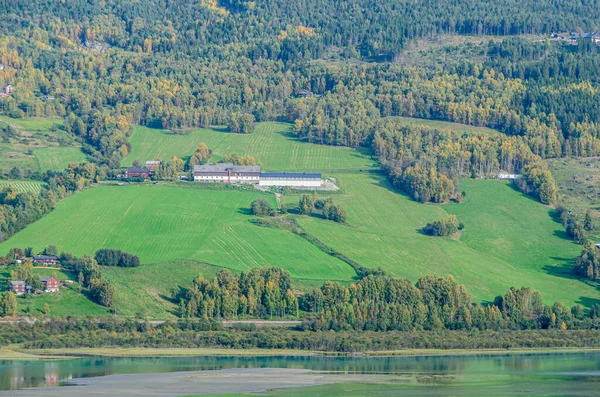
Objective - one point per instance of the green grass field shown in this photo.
(24, 186)
(178, 232)
(269, 144)
(35, 146)
(59, 158)
(509, 239)
(162, 224)
(578, 182)
(32, 123)
(445, 125)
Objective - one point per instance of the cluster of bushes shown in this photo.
(261, 207)
(443, 227)
(310, 204)
(376, 303)
(202, 155)
(587, 265)
(241, 123)
(575, 229)
(537, 181)
(90, 277)
(112, 257)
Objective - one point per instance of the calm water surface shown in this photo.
(509, 375)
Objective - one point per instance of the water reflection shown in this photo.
(422, 370)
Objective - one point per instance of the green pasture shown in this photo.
(509, 239)
(35, 146)
(444, 125)
(24, 186)
(270, 145)
(578, 182)
(162, 224)
(58, 158)
(32, 123)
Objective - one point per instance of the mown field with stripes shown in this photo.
(270, 144)
(164, 223)
(508, 240)
(24, 186)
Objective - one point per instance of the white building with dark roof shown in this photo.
(250, 174)
(290, 179)
(227, 173)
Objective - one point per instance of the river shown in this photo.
(553, 374)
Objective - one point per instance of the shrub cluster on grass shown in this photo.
(111, 257)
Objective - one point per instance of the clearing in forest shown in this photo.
(445, 125)
(270, 144)
(24, 186)
(37, 144)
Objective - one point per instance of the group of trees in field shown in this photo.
(238, 160)
(443, 227)
(260, 293)
(90, 277)
(261, 207)
(537, 180)
(112, 257)
(312, 204)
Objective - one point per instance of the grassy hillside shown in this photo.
(179, 232)
(509, 240)
(38, 144)
(58, 158)
(269, 144)
(164, 223)
(578, 181)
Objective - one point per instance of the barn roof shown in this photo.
(17, 283)
(138, 169)
(295, 175)
(47, 257)
(224, 167)
(46, 278)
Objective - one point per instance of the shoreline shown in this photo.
(58, 354)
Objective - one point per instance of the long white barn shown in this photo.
(236, 174)
(290, 179)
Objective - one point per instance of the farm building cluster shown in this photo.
(230, 173)
(251, 174)
(573, 37)
(49, 283)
